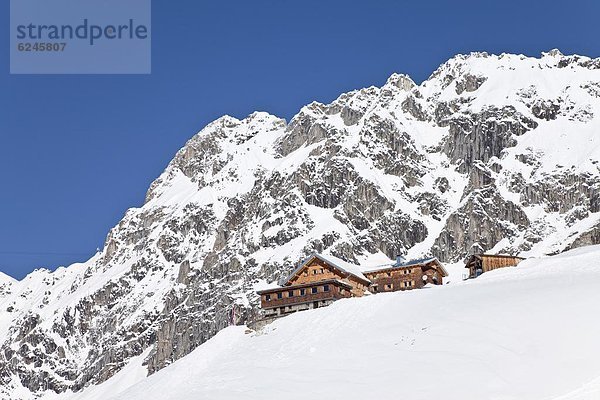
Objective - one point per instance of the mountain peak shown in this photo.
(553, 53)
(401, 81)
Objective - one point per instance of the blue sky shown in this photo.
(77, 151)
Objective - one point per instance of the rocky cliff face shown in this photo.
(495, 153)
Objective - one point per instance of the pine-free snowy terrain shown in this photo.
(496, 153)
(527, 333)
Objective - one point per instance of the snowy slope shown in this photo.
(524, 333)
(492, 153)
(6, 284)
(4, 279)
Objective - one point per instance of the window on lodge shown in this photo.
(408, 284)
(389, 274)
(302, 292)
(268, 297)
(326, 288)
(314, 271)
(313, 290)
(291, 293)
(280, 295)
(407, 271)
(389, 286)
(322, 271)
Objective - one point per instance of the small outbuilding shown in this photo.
(480, 263)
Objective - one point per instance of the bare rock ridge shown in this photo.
(495, 153)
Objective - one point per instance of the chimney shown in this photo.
(399, 260)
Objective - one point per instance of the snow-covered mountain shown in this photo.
(495, 153)
(468, 340)
(5, 283)
(5, 279)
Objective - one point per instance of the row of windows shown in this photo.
(389, 274)
(315, 271)
(390, 286)
(299, 292)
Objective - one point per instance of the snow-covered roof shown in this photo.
(498, 255)
(335, 262)
(420, 261)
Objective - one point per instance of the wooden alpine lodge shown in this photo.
(320, 280)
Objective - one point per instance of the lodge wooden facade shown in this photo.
(481, 263)
(320, 280)
(285, 300)
(316, 282)
(318, 268)
(406, 276)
